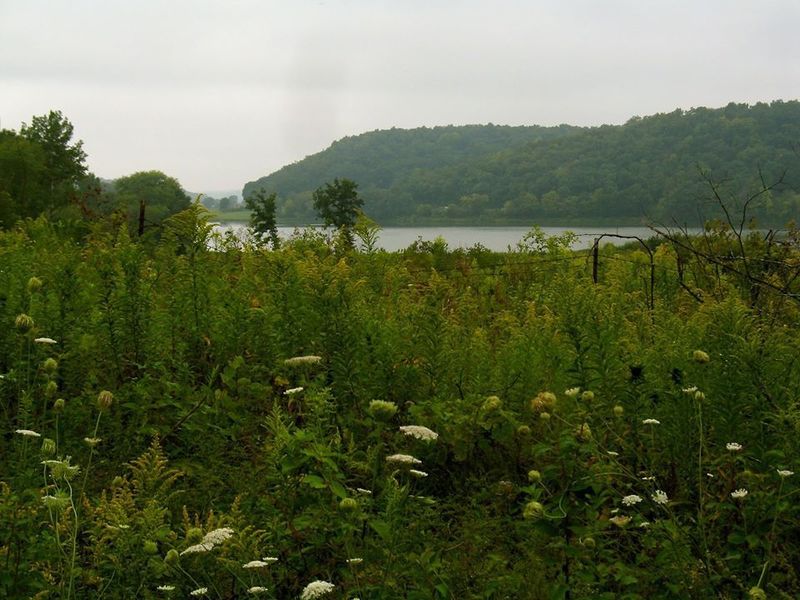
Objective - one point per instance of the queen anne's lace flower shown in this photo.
(28, 433)
(217, 536)
(572, 392)
(202, 591)
(197, 548)
(166, 588)
(785, 473)
(269, 559)
(733, 446)
(310, 359)
(651, 422)
(316, 589)
(354, 561)
(739, 494)
(417, 473)
(419, 432)
(660, 497)
(293, 391)
(631, 500)
(45, 340)
(620, 520)
(255, 564)
(257, 589)
(403, 459)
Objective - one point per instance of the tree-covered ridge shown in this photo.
(647, 168)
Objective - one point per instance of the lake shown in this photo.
(494, 238)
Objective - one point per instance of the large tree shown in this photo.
(262, 216)
(148, 197)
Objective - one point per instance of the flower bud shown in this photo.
(348, 505)
(699, 396)
(533, 511)
(583, 433)
(756, 593)
(50, 389)
(618, 411)
(534, 476)
(701, 357)
(172, 557)
(491, 404)
(34, 285)
(587, 396)
(59, 405)
(523, 431)
(23, 323)
(194, 535)
(545, 416)
(381, 410)
(104, 400)
(48, 447)
(50, 365)
(150, 547)
(588, 542)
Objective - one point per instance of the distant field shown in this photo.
(231, 216)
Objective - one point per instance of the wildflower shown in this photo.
(631, 500)
(59, 404)
(689, 390)
(533, 510)
(523, 431)
(587, 396)
(699, 396)
(612, 453)
(583, 433)
(202, 591)
(543, 402)
(348, 504)
(620, 520)
(269, 559)
(534, 476)
(701, 357)
(354, 561)
(492, 403)
(48, 447)
(733, 446)
(545, 416)
(23, 323)
(44, 340)
(198, 548)
(295, 361)
(34, 285)
(756, 593)
(710, 475)
(651, 422)
(363, 491)
(382, 410)
(256, 589)
(217, 536)
(104, 400)
(50, 389)
(59, 501)
(172, 557)
(417, 473)
(785, 473)
(419, 432)
(150, 547)
(644, 524)
(166, 588)
(315, 589)
(572, 392)
(403, 459)
(739, 494)
(92, 442)
(28, 433)
(255, 564)
(618, 410)
(648, 478)
(50, 365)
(293, 391)
(660, 497)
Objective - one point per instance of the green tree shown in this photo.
(148, 197)
(262, 216)
(339, 204)
(64, 160)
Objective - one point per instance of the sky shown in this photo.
(220, 93)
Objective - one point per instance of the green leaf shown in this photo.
(315, 481)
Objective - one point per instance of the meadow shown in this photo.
(198, 417)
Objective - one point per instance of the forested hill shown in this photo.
(647, 168)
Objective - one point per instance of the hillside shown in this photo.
(647, 168)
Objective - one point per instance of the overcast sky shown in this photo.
(220, 93)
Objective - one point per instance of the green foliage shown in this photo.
(647, 168)
(262, 217)
(160, 195)
(568, 438)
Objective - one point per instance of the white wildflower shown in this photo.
(620, 520)
(293, 391)
(419, 432)
(417, 473)
(316, 589)
(202, 591)
(197, 548)
(689, 390)
(785, 473)
(256, 589)
(269, 559)
(572, 392)
(651, 422)
(739, 494)
(310, 359)
(166, 588)
(92, 442)
(255, 564)
(363, 491)
(710, 475)
(45, 340)
(612, 453)
(354, 561)
(660, 497)
(403, 459)
(217, 536)
(644, 524)
(28, 433)
(648, 478)
(733, 446)
(631, 500)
